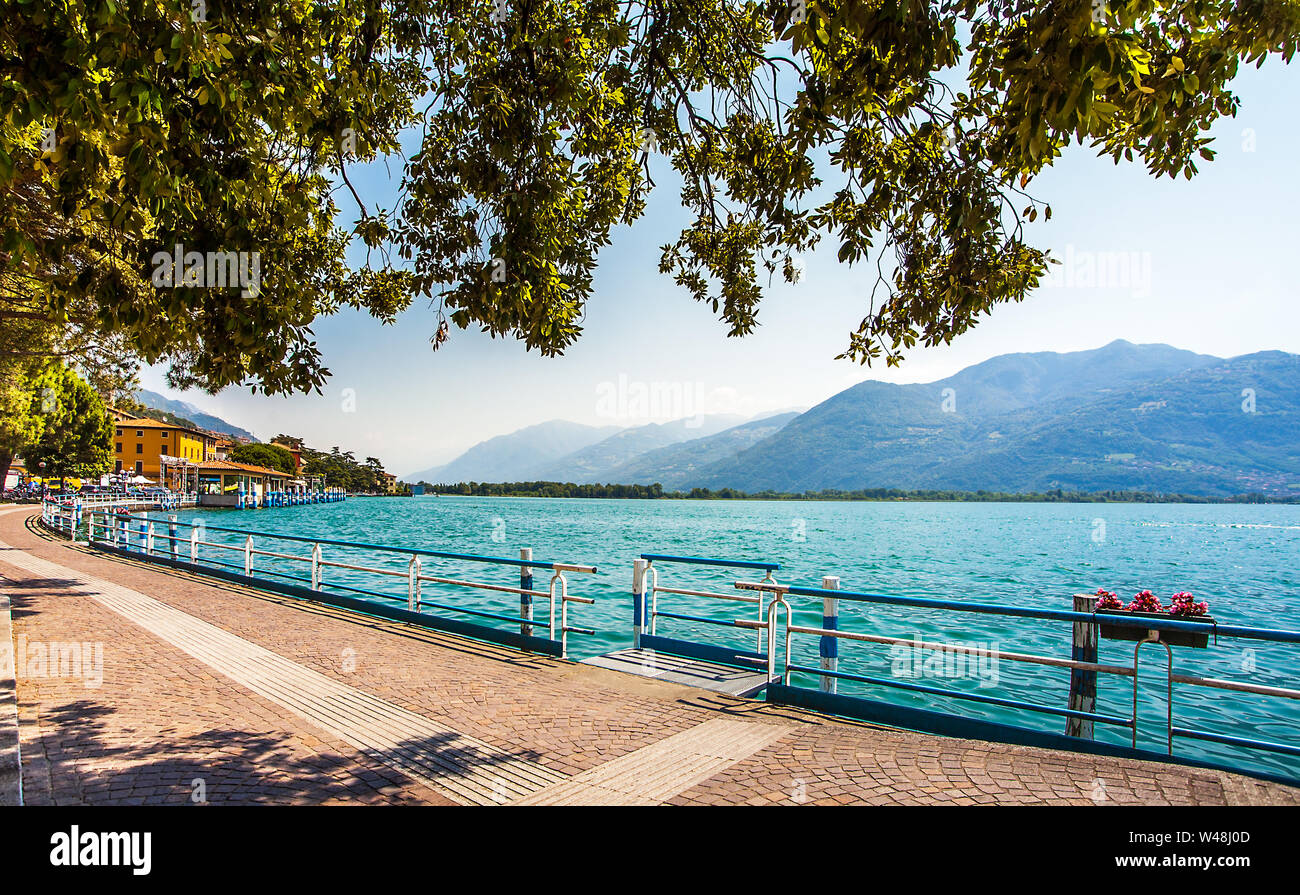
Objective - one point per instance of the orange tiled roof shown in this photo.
(232, 466)
(147, 423)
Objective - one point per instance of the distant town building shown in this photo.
(293, 446)
(142, 446)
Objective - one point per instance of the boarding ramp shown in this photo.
(690, 657)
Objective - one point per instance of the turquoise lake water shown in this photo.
(1242, 559)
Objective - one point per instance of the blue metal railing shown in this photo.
(141, 537)
(646, 612)
(703, 561)
(781, 688)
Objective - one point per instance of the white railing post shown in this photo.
(412, 584)
(526, 600)
(564, 618)
(194, 544)
(315, 567)
(557, 577)
(171, 535)
(248, 556)
(830, 646)
(762, 610)
(639, 607)
(148, 541)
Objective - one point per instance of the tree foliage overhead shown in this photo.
(905, 132)
(128, 128)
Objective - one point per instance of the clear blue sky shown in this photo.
(1220, 251)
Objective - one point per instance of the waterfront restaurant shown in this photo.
(225, 483)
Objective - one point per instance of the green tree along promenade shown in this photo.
(57, 421)
(129, 130)
(655, 491)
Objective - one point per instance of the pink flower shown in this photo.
(1145, 602)
(1185, 604)
(1108, 600)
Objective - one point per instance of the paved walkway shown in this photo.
(185, 691)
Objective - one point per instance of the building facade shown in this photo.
(141, 446)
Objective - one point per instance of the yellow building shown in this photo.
(139, 446)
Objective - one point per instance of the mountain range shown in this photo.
(1120, 417)
(188, 411)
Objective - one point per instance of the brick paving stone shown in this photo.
(162, 719)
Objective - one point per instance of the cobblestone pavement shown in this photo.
(166, 726)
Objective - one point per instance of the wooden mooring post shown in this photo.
(1083, 684)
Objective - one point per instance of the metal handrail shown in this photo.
(653, 590)
(1170, 624)
(409, 551)
(557, 593)
(780, 592)
(704, 561)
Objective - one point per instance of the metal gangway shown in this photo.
(677, 658)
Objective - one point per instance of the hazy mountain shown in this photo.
(598, 462)
(1191, 433)
(675, 465)
(1123, 416)
(188, 411)
(513, 457)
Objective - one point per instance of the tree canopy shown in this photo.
(270, 456)
(76, 437)
(129, 129)
(342, 470)
(28, 386)
(906, 132)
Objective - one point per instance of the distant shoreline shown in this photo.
(871, 495)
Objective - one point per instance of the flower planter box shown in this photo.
(1194, 639)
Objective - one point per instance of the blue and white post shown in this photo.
(640, 609)
(144, 532)
(829, 647)
(171, 535)
(526, 599)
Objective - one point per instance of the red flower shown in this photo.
(1145, 602)
(1185, 604)
(1108, 600)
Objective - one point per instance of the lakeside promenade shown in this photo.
(196, 691)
